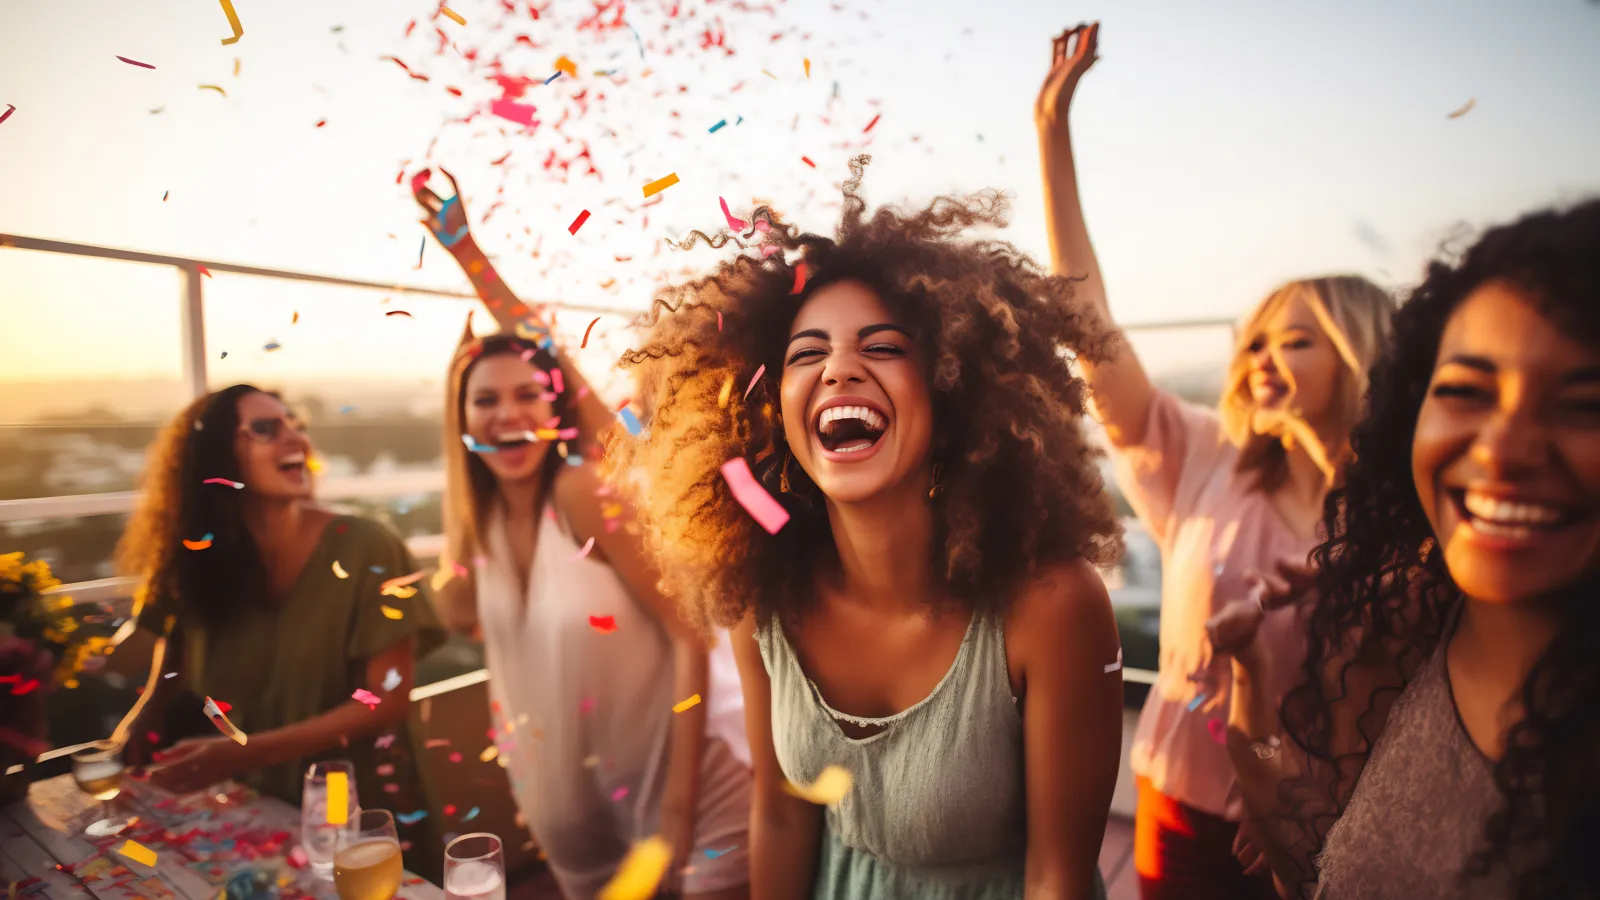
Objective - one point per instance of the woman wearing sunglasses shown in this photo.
(273, 604)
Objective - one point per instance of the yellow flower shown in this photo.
(11, 567)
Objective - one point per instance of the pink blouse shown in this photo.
(1214, 529)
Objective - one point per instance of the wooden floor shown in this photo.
(1116, 867)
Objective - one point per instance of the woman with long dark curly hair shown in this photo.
(928, 617)
(271, 603)
(1224, 493)
(1445, 740)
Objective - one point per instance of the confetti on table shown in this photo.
(807, 161)
(365, 696)
(212, 87)
(568, 66)
(590, 328)
(489, 753)
(686, 704)
(236, 485)
(578, 222)
(631, 422)
(390, 612)
(1112, 667)
(641, 871)
(603, 624)
(1218, 730)
(830, 787)
(338, 570)
(720, 124)
(767, 512)
(135, 62)
(808, 69)
(233, 22)
(338, 798)
(10, 108)
(799, 278)
(1464, 109)
(454, 16)
(219, 718)
(587, 546)
(660, 184)
(201, 544)
(733, 223)
(760, 370)
(138, 852)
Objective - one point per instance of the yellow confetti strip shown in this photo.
(641, 871)
(829, 788)
(314, 465)
(489, 753)
(808, 70)
(442, 577)
(454, 16)
(212, 87)
(138, 852)
(656, 187)
(338, 798)
(339, 571)
(568, 66)
(390, 612)
(727, 391)
(687, 704)
(401, 591)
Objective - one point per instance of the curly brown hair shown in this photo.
(1021, 486)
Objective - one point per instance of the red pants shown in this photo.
(1182, 853)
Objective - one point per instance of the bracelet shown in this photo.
(1266, 749)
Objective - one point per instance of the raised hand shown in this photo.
(447, 219)
(1071, 55)
(1233, 629)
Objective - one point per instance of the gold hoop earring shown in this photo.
(937, 487)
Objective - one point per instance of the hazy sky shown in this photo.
(1223, 147)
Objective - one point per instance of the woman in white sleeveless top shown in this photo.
(587, 661)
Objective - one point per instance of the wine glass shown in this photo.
(474, 868)
(367, 864)
(98, 771)
(319, 838)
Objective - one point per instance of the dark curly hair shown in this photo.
(1020, 482)
(1386, 598)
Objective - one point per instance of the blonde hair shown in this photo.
(1355, 314)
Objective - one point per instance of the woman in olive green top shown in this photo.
(274, 605)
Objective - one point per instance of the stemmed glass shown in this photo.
(474, 868)
(319, 837)
(367, 864)
(98, 771)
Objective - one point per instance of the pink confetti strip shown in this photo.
(555, 381)
(236, 485)
(10, 108)
(587, 546)
(753, 379)
(736, 224)
(512, 111)
(767, 512)
(135, 62)
(365, 696)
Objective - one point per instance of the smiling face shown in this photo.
(505, 401)
(1292, 367)
(1506, 453)
(857, 412)
(272, 448)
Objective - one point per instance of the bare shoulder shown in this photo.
(1062, 609)
(575, 484)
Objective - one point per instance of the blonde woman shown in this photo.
(589, 666)
(1226, 494)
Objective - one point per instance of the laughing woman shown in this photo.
(929, 618)
(1445, 741)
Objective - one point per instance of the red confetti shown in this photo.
(587, 330)
(204, 271)
(578, 222)
(399, 312)
(807, 161)
(322, 122)
(224, 707)
(30, 684)
(872, 123)
(420, 179)
(135, 62)
(603, 624)
(10, 108)
(799, 278)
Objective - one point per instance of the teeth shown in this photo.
(1504, 512)
(835, 413)
(295, 460)
(507, 437)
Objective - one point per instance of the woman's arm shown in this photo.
(1063, 635)
(785, 831)
(575, 494)
(1121, 390)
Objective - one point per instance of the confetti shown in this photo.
(767, 512)
(578, 222)
(603, 624)
(727, 392)
(631, 422)
(365, 696)
(807, 161)
(404, 593)
(270, 346)
(713, 854)
(164, 195)
(201, 544)
(720, 124)
(1195, 703)
(512, 111)
(219, 718)
(10, 108)
(338, 570)
(719, 320)
(212, 87)
(321, 122)
(754, 379)
(1460, 112)
(733, 223)
(799, 278)
(587, 546)
(338, 798)
(641, 871)
(204, 271)
(1218, 730)
(618, 794)
(390, 612)
(384, 742)
(552, 78)
(661, 184)
(233, 484)
(808, 69)
(454, 16)
(475, 447)
(399, 312)
(686, 704)
(412, 818)
(233, 22)
(489, 753)
(137, 852)
(471, 814)
(872, 123)
(404, 580)
(1112, 667)
(135, 62)
(591, 325)
(568, 66)
(830, 787)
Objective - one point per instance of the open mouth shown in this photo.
(850, 429)
(512, 440)
(1515, 520)
(293, 465)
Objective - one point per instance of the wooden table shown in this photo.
(200, 842)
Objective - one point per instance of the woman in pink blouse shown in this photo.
(1226, 494)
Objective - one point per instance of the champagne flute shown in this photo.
(367, 864)
(474, 868)
(98, 771)
(319, 837)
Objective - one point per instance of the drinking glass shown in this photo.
(367, 864)
(474, 868)
(98, 772)
(318, 837)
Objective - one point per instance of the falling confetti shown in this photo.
(755, 379)
(641, 871)
(489, 753)
(587, 546)
(390, 612)
(603, 624)
(1112, 667)
(807, 161)
(661, 184)
(808, 69)
(236, 485)
(1218, 730)
(338, 798)
(454, 16)
(767, 512)
(1466, 108)
(203, 271)
(201, 544)
(799, 278)
(1195, 703)
(690, 703)
(135, 62)
(10, 108)
(727, 392)
(404, 593)
(138, 852)
(568, 66)
(618, 794)
(233, 22)
(578, 222)
(587, 330)
(212, 87)
(720, 124)
(471, 814)
(631, 422)
(365, 696)
(830, 787)
(412, 818)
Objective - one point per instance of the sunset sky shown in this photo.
(1223, 147)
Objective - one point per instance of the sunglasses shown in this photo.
(267, 431)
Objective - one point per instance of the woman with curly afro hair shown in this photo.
(1225, 493)
(1445, 740)
(928, 618)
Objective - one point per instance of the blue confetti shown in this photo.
(718, 125)
(412, 818)
(574, 460)
(713, 854)
(376, 570)
(471, 814)
(208, 536)
(271, 345)
(552, 78)
(740, 122)
(631, 421)
(1195, 703)
(346, 410)
(475, 447)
